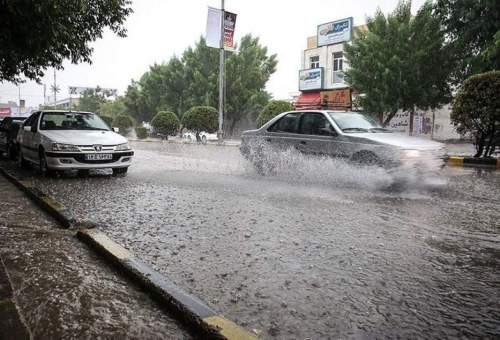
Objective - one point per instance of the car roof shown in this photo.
(66, 111)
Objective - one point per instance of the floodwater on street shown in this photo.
(319, 249)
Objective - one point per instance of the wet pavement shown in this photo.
(320, 249)
(61, 289)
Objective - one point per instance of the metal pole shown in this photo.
(55, 90)
(221, 75)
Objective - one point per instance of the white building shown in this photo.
(321, 78)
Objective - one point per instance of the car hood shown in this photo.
(84, 137)
(400, 140)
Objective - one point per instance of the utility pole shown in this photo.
(19, 95)
(44, 94)
(221, 75)
(55, 89)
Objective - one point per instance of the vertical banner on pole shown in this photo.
(229, 25)
(213, 28)
(213, 33)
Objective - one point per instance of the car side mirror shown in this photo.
(115, 129)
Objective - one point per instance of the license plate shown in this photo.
(98, 156)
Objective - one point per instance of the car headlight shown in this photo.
(121, 147)
(410, 153)
(64, 147)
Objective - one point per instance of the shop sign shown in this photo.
(335, 32)
(311, 79)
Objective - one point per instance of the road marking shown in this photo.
(228, 329)
(108, 245)
(456, 161)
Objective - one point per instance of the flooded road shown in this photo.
(318, 250)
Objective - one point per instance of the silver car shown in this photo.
(349, 135)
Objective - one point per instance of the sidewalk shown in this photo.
(52, 286)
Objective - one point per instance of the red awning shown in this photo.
(308, 100)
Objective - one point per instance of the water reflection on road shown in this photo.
(319, 249)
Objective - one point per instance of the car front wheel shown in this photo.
(42, 164)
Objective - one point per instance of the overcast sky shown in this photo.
(159, 29)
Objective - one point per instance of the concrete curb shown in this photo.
(190, 309)
(474, 162)
(58, 211)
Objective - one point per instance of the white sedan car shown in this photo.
(204, 137)
(62, 140)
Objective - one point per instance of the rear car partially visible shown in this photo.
(9, 128)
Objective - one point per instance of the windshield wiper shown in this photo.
(379, 129)
(355, 129)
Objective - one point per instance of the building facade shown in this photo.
(323, 65)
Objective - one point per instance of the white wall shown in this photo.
(325, 54)
(422, 124)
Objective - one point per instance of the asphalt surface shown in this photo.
(61, 289)
(320, 249)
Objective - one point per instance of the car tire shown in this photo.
(365, 158)
(119, 171)
(203, 139)
(43, 167)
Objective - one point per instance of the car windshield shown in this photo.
(72, 121)
(355, 122)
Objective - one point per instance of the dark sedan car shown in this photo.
(8, 133)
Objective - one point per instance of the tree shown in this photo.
(400, 63)
(165, 123)
(192, 80)
(473, 35)
(40, 34)
(201, 118)
(476, 110)
(272, 109)
(113, 108)
(136, 104)
(91, 100)
(124, 123)
(247, 74)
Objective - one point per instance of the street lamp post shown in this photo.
(221, 76)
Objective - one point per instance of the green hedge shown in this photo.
(201, 118)
(123, 122)
(141, 132)
(165, 122)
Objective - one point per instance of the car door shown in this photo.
(318, 137)
(30, 144)
(283, 134)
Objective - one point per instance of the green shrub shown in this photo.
(123, 122)
(141, 132)
(165, 122)
(476, 110)
(107, 119)
(201, 118)
(271, 110)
